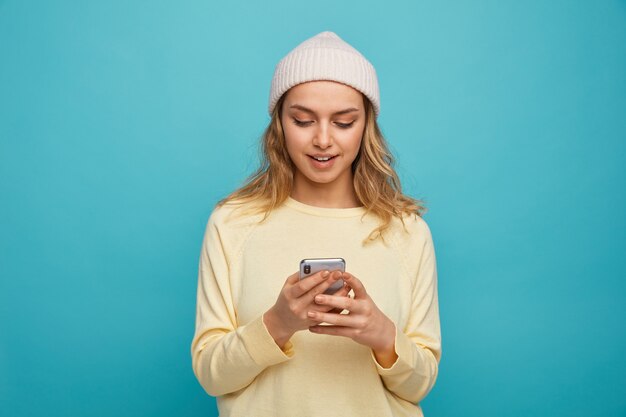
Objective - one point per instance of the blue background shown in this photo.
(122, 123)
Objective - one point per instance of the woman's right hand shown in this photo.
(289, 314)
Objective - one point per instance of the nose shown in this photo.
(322, 137)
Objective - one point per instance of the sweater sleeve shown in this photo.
(418, 344)
(226, 357)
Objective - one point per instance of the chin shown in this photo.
(321, 180)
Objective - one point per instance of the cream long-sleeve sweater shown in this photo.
(243, 266)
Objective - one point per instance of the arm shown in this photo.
(226, 357)
(418, 345)
(406, 359)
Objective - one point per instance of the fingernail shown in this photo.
(325, 274)
(311, 314)
(319, 298)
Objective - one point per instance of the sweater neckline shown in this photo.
(324, 211)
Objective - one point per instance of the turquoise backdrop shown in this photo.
(123, 122)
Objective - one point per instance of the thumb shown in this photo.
(355, 284)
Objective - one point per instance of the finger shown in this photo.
(336, 319)
(305, 301)
(293, 278)
(343, 291)
(328, 309)
(344, 303)
(314, 323)
(332, 330)
(356, 284)
(349, 289)
(325, 308)
(321, 287)
(304, 285)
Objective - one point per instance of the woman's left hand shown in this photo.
(364, 323)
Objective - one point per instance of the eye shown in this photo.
(301, 123)
(345, 125)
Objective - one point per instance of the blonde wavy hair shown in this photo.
(376, 183)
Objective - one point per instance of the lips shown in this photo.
(322, 158)
(322, 161)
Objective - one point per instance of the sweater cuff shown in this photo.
(261, 345)
(404, 349)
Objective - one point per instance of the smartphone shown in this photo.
(312, 265)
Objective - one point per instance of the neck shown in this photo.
(340, 195)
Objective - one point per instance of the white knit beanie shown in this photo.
(325, 56)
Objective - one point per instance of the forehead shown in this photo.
(324, 96)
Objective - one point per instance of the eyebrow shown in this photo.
(306, 109)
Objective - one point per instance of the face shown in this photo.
(323, 123)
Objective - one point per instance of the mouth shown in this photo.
(322, 162)
(322, 158)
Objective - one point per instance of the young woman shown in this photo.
(268, 343)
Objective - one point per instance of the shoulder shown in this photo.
(231, 224)
(414, 244)
(413, 225)
(411, 234)
(234, 215)
(228, 228)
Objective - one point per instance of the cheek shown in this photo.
(290, 150)
(289, 138)
(353, 143)
(294, 144)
